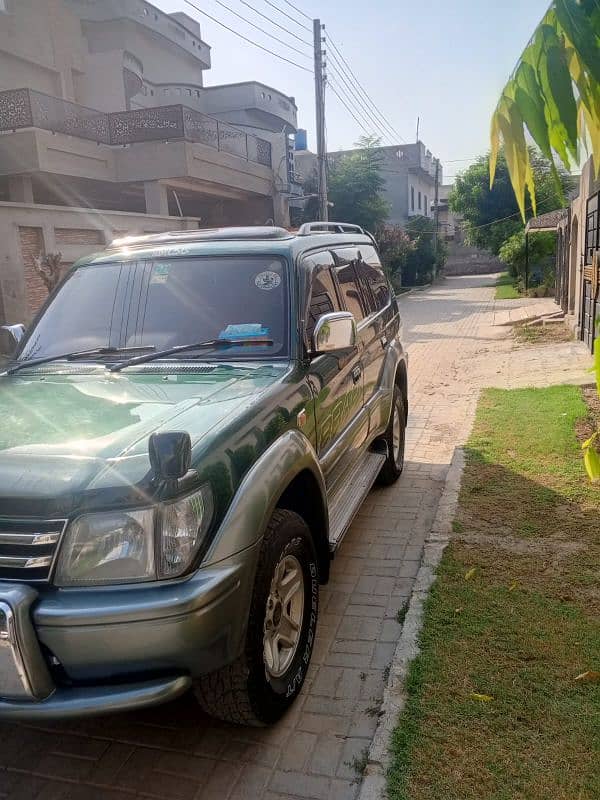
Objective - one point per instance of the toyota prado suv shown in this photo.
(187, 430)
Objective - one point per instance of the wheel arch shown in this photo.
(303, 495)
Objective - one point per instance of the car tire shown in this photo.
(395, 439)
(259, 687)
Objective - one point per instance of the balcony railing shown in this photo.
(26, 108)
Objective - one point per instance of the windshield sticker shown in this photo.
(246, 330)
(160, 273)
(267, 280)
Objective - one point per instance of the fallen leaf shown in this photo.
(483, 698)
(589, 676)
(470, 573)
(458, 610)
(513, 586)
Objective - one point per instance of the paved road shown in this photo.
(174, 752)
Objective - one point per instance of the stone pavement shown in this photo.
(173, 752)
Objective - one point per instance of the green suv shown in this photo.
(187, 430)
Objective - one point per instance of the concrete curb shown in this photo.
(373, 786)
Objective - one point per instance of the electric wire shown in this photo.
(299, 10)
(361, 87)
(246, 39)
(348, 109)
(262, 30)
(359, 108)
(277, 25)
(285, 14)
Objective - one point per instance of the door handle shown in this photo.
(356, 373)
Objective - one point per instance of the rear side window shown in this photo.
(323, 299)
(373, 274)
(349, 283)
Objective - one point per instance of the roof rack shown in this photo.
(202, 234)
(333, 227)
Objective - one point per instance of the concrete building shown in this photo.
(409, 172)
(107, 127)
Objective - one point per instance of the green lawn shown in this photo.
(494, 710)
(505, 289)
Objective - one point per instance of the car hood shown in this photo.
(61, 433)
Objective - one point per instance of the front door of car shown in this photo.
(337, 381)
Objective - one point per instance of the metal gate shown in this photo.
(589, 301)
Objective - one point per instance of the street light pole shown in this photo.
(319, 52)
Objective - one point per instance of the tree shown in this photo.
(423, 256)
(394, 247)
(553, 94)
(542, 248)
(355, 186)
(491, 215)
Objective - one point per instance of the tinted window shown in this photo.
(166, 303)
(350, 289)
(323, 299)
(374, 275)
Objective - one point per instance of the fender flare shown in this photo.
(259, 492)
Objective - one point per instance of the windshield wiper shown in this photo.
(97, 351)
(211, 344)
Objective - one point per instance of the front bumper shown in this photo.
(119, 648)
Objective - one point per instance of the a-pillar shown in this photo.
(157, 199)
(20, 189)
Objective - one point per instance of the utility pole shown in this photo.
(436, 213)
(320, 78)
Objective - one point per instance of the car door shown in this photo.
(336, 379)
(375, 329)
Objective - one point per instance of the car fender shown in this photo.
(257, 496)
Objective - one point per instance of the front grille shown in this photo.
(28, 548)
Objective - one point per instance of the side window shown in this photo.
(323, 300)
(349, 283)
(374, 275)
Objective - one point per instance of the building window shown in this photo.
(426, 206)
(4, 9)
(146, 12)
(152, 92)
(166, 90)
(420, 206)
(412, 198)
(197, 92)
(178, 91)
(188, 92)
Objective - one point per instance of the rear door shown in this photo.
(341, 423)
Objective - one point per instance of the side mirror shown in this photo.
(333, 332)
(170, 454)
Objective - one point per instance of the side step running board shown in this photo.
(344, 505)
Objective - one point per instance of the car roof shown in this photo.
(257, 240)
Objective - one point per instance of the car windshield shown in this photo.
(164, 303)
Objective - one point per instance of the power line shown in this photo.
(355, 101)
(285, 14)
(277, 25)
(246, 39)
(262, 30)
(349, 110)
(363, 91)
(299, 10)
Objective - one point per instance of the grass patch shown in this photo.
(522, 626)
(543, 334)
(505, 289)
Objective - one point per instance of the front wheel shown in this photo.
(262, 684)
(395, 438)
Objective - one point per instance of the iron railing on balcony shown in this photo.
(26, 108)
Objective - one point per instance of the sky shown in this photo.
(444, 62)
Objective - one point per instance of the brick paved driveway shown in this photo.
(173, 751)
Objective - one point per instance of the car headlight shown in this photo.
(132, 546)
